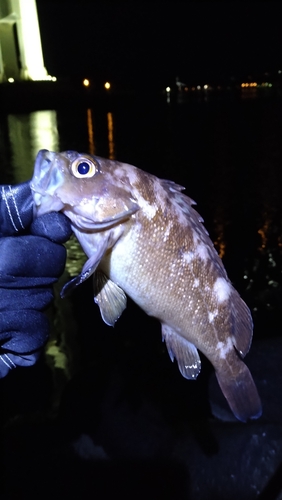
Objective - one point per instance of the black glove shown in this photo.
(32, 258)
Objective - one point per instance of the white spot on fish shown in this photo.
(188, 256)
(148, 209)
(202, 252)
(126, 171)
(224, 347)
(196, 239)
(177, 212)
(222, 289)
(212, 315)
(196, 283)
(167, 232)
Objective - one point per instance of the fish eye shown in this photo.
(83, 167)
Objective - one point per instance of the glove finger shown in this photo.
(16, 208)
(9, 361)
(38, 298)
(30, 256)
(23, 332)
(54, 225)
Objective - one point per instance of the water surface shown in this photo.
(227, 152)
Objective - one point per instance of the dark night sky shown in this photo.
(152, 42)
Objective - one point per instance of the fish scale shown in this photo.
(144, 239)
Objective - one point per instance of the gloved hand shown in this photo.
(32, 258)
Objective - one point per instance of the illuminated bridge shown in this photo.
(21, 55)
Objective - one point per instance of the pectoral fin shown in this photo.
(186, 354)
(110, 298)
(89, 267)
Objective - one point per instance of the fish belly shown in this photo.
(158, 283)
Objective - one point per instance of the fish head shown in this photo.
(83, 187)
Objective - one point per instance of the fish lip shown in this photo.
(41, 168)
(39, 160)
(43, 191)
(46, 204)
(36, 190)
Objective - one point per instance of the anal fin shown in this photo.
(186, 354)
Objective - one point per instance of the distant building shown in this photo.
(21, 55)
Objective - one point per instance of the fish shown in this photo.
(144, 239)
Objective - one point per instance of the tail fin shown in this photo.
(240, 391)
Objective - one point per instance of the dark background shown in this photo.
(108, 415)
(150, 43)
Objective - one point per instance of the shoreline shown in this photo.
(30, 96)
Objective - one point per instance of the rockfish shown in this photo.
(144, 239)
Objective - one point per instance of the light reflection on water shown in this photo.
(90, 132)
(28, 134)
(111, 136)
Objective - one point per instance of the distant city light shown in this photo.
(198, 87)
(86, 82)
(168, 90)
(251, 84)
(51, 78)
(107, 85)
(11, 80)
(206, 87)
(279, 72)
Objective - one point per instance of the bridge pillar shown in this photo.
(21, 55)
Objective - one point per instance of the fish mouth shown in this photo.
(44, 184)
(43, 204)
(42, 163)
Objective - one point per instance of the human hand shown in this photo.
(32, 258)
